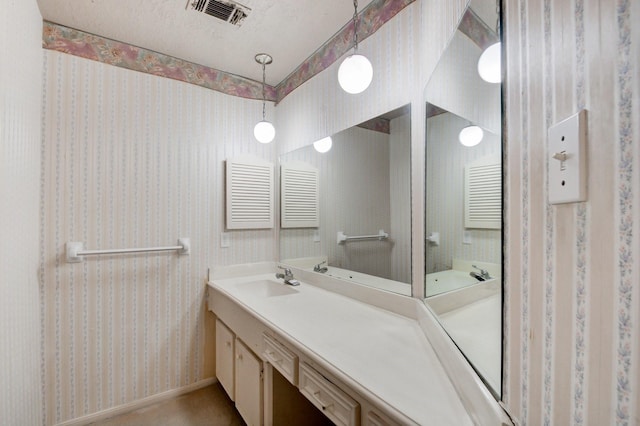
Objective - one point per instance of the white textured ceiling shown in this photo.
(288, 30)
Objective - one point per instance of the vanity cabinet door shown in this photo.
(248, 385)
(225, 341)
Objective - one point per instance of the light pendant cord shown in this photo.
(264, 96)
(498, 27)
(355, 26)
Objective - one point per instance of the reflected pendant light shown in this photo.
(489, 64)
(355, 72)
(490, 61)
(264, 131)
(323, 145)
(471, 135)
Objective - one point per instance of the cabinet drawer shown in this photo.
(375, 418)
(334, 403)
(285, 361)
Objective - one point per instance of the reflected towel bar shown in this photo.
(76, 251)
(381, 235)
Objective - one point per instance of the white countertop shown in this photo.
(385, 353)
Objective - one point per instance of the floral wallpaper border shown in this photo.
(477, 30)
(90, 46)
(381, 125)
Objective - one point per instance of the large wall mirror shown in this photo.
(463, 200)
(346, 212)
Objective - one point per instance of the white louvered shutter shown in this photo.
(299, 198)
(249, 194)
(483, 193)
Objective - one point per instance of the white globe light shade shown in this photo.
(471, 135)
(323, 145)
(489, 66)
(355, 74)
(264, 131)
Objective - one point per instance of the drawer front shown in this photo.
(334, 403)
(374, 418)
(285, 361)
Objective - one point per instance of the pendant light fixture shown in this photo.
(323, 145)
(355, 72)
(471, 135)
(489, 64)
(490, 61)
(264, 131)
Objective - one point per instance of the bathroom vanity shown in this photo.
(331, 350)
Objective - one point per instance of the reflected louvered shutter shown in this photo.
(249, 194)
(483, 194)
(299, 200)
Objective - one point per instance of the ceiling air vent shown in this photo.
(228, 11)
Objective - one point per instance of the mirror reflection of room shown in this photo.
(363, 234)
(463, 195)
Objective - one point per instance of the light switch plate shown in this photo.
(467, 238)
(567, 160)
(225, 240)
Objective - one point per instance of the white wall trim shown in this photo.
(140, 403)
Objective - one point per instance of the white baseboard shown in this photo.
(140, 403)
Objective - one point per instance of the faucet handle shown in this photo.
(483, 272)
(317, 267)
(287, 271)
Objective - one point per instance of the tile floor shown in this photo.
(208, 406)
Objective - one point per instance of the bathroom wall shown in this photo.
(20, 124)
(133, 160)
(572, 274)
(446, 161)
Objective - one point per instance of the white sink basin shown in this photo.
(266, 288)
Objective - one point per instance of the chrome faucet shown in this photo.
(287, 276)
(320, 268)
(482, 276)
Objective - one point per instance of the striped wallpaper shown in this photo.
(133, 160)
(572, 274)
(20, 110)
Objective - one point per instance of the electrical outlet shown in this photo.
(567, 160)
